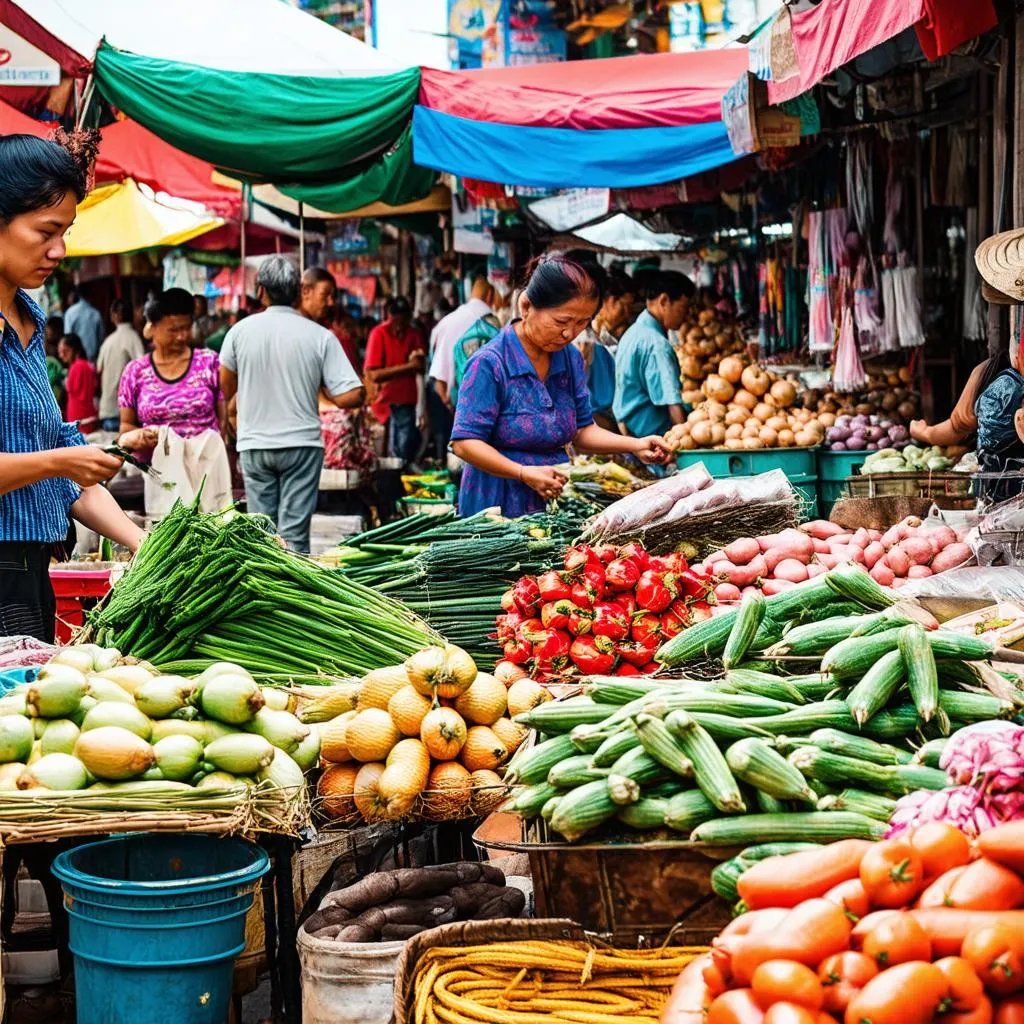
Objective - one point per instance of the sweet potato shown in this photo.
(881, 573)
(383, 887)
(898, 560)
(789, 880)
(439, 910)
(770, 587)
(727, 592)
(918, 550)
(872, 553)
(822, 529)
(474, 871)
(741, 551)
(330, 932)
(918, 572)
(947, 927)
(950, 557)
(1004, 844)
(509, 903)
(690, 995)
(791, 569)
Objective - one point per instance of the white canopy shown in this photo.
(624, 234)
(231, 35)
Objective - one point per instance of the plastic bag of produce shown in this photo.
(979, 585)
(651, 503)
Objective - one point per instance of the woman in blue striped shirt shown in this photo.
(47, 471)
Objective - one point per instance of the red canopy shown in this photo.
(130, 151)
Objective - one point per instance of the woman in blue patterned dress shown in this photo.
(47, 471)
(524, 398)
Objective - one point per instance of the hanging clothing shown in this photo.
(528, 420)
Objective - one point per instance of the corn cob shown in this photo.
(710, 769)
(660, 744)
(687, 810)
(857, 746)
(613, 748)
(583, 809)
(574, 771)
(537, 761)
(850, 659)
(647, 813)
(872, 805)
(754, 762)
(824, 826)
(852, 582)
(922, 676)
(877, 686)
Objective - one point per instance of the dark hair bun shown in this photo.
(83, 146)
(555, 279)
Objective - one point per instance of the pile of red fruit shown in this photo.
(605, 613)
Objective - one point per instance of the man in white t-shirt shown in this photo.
(449, 330)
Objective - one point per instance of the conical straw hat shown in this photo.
(1000, 261)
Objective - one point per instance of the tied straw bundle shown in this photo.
(546, 982)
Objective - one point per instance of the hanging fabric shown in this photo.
(865, 308)
(821, 335)
(860, 187)
(889, 335)
(908, 307)
(848, 373)
(975, 323)
(893, 207)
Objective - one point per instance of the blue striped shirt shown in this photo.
(30, 421)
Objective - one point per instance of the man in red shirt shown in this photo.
(395, 358)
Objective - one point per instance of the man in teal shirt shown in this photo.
(648, 397)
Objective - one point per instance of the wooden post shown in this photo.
(1000, 155)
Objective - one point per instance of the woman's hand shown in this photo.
(547, 482)
(920, 431)
(653, 449)
(86, 464)
(140, 437)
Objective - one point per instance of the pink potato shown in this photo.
(746, 575)
(750, 591)
(843, 540)
(875, 534)
(881, 573)
(815, 569)
(847, 554)
(792, 570)
(821, 529)
(950, 557)
(872, 553)
(941, 537)
(741, 551)
(894, 535)
(918, 550)
(776, 586)
(772, 557)
(828, 561)
(795, 543)
(821, 546)
(899, 581)
(698, 567)
(726, 592)
(897, 560)
(717, 556)
(918, 572)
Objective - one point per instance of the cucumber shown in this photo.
(850, 659)
(539, 760)
(825, 826)
(877, 686)
(574, 771)
(817, 637)
(613, 748)
(929, 753)
(763, 684)
(857, 746)
(804, 720)
(872, 805)
(922, 675)
(705, 640)
(647, 813)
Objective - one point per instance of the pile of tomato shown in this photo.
(920, 928)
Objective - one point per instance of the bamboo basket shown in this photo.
(460, 934)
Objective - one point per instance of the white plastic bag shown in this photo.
(183, 463)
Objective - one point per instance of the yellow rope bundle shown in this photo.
(541, 982)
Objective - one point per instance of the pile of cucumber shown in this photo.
(799, 717)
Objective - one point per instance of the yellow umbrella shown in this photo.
(124, 218)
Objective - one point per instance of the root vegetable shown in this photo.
(792, 570)
(727, 592)
(357, 933)
(748, 592)
(828, 561)
(384, 887)
(881, 573)
(872, 553)
(509, 903)
(950, 557)
(917, 549)
(718, 556)
(821, 547)
(898, 561)
(894, 535)
(401, 932)
(741, 551)
(918, 572)
(744, 575)
(770, 587)
(821, 529)
(814, 569)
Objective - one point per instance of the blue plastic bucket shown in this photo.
(156, 922)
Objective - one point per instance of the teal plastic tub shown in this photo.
(833, 470)
(807, 487)
(156, 922)
(725, 462)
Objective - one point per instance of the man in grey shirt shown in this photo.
(277, 363)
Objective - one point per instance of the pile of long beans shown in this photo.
(206, 588)
(453, 571)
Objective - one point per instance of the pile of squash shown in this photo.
(424, 739)
(745, 406)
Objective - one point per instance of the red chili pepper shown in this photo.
(674, 619)
(699, 611)
(650, 668)
(551, 647)
(508, 626)
(606, 553)
(579, 557)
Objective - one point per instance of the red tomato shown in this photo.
(965, 988)
(892, 873)
(940, 846)
(779, 981)
(994, 952)
(842, 976)
(897, 940)
(790, 1013)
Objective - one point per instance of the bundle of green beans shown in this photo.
(206, 588)
(834, 702)
(453, 571)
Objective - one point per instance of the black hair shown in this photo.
(619, 283)
(318, 275)
(399, 306)
(554, 280)
(56, 324)
(671, 283)
(173, 302)
(120, 307)
(74, 342)
(37, 173)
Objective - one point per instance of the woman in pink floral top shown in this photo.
(176, 386)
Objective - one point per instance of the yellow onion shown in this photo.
(101, 689)
(307, 753)
(9, 775)
(105, 657)
(125, 716)
(58, 694)
(240, 754)
(282, 772)
(277, 699)
(163, 696)
(113, 753)
(16, 738)
(279, 728)
(128, 677)
(426, 670)
(178, 757)
(232, 699)
(59, 736)
(54, 771)
(79, 657)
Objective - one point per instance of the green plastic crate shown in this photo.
(807, 487)
(838, 466)
(725, 462)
